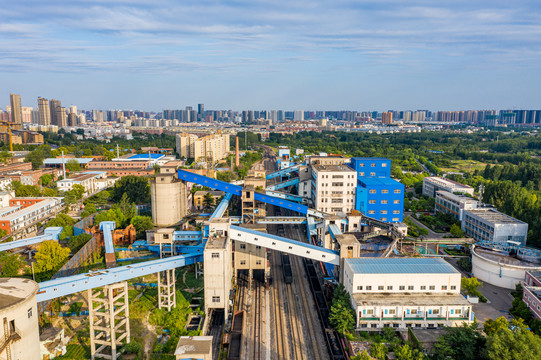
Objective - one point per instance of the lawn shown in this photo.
(464, 165)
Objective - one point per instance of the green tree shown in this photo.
(514, 342)
(28, 191)
(126, 207)
(73, 165)
(492, 326)
(456, 231)
(77, 242)
(46, 179)
(378, 351)
(49, 259)
(461, 343)
(137, 189)
(10, 264)
(90, 208)
(362, 355)
(208, 200)
(405, 352)
(470, 285)
(341, 318)
(142, 223)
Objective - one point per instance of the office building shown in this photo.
(488, 224)
(449, 203)
(371, 167)
(433, 184)
(405, 292)
(209, 148)
(44, 112)
(333, 188)
(16, 110)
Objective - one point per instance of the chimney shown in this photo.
(237, 162)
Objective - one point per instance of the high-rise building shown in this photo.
(53, 106)
(387, 118)
(16, 109)
(208, 148)
(61, 117)
(44, 111)
(298, 115)
(200, 110)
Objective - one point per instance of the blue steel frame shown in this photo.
(50, 233)
(283, 184)
(282, 172)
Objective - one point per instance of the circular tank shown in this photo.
(168, 196)
(19, 317)
(498, 268)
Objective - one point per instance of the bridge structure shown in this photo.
(50, 233)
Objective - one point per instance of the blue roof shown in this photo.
(400, 266)
(58, 161)
(146, 156)
(379, 181)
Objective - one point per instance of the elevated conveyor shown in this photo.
(291, 197)
(283, 184)
(281, 220)
(179, 249)
(50, 233)
(52, 289)
(334, 230)
(282, 172)
(222, 207)
(289, 246)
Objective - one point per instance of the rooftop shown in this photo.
(80, 177)
(494, 216)
(322, 168)
(369, 158)
(15, 290)
(405, 299)
(455, 197)
(400, 266)
(194, 345)
(58, 161)
(30, 209)
(146, 157)
(379, 181)
(216, 242)
(447, 182)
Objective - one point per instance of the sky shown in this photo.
(273, 54)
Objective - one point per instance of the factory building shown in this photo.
(405, 292)
(333, 188)
(449, 203)
(433, 184)
(491, 225)
(377, 194)
(19, 333)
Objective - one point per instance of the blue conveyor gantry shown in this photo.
(69, 285)
(283, 184)
(282, 172)
(50, 233)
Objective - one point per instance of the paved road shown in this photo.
(431, 233)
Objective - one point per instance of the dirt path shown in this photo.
(148, 336)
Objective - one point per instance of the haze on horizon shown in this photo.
(273, 54)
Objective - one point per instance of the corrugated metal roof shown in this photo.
(58, 161)
(146, 156)
(400, 266)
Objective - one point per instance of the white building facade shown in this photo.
(405, 292)
(492, 225)
(433, 184)
(449, 203)
(333, 188)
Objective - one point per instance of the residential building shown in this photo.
(381, 198)
(489, 224)
(209, 148)
(16, 110)
(333, 188)
(87, 180)
(44, 111)
(405, 292)
(24, 220)
(5, 182)
(449, 203)
(387, 118)
(433, 183)
(5, 196)
(532, 292)
(199, 198)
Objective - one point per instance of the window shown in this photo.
(383, 219)
(372, 174)
(397, 191)
(361, 173)
(372, 191)
(258, 262)
(359, 287)
(361, 165)
(414, 311)
(383, 164)
(410, 287)
(392, 311)
(257, 247)
(396, 219)
(432, 287)
(369, 288)
(423, 287)
(458, 311)
(371, 201)
(386, 325)
(396, 211)
(373, 165)
(436, 311)
(370, 311)
(453, 287)
(389, 287)
(374, 325)
(401, 287)
(29, 313)
(215, 255)
(395, 325)
(381, 287)
(396, 201)
(384, 191)
(364, 325)
(243, 246)
(243, 262)
(444, 287)
(215, 299)
(384, 201)
(371, 212)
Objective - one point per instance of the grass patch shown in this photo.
(75, 352)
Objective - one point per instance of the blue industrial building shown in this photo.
(377, 195)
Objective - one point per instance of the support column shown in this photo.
(167, 297)
(109, 314)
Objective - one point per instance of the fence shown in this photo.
(80, 227)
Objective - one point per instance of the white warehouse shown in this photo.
(491, 225)
(405, 292)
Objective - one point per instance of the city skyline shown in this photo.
(274, 55)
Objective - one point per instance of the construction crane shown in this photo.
(8, 124)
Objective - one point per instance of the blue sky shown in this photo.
(273, 54)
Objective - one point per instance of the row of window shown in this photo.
(411, 312)
(373, 164)
(372, 212)
(372, 202)
(384, 191)
(403, 287)
(375, 326)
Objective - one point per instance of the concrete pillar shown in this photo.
(167, 298)
(109, 317)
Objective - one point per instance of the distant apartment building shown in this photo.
(532, 292)
(122, 168)
(405, 292)
(28, 214)
(387, 118)
(488, 224)
(87, 180)
(333, 188)
(199, 198)
(433, 183)
(208, 148)
(378, 195)
(449, 203)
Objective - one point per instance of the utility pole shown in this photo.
(63, 166)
